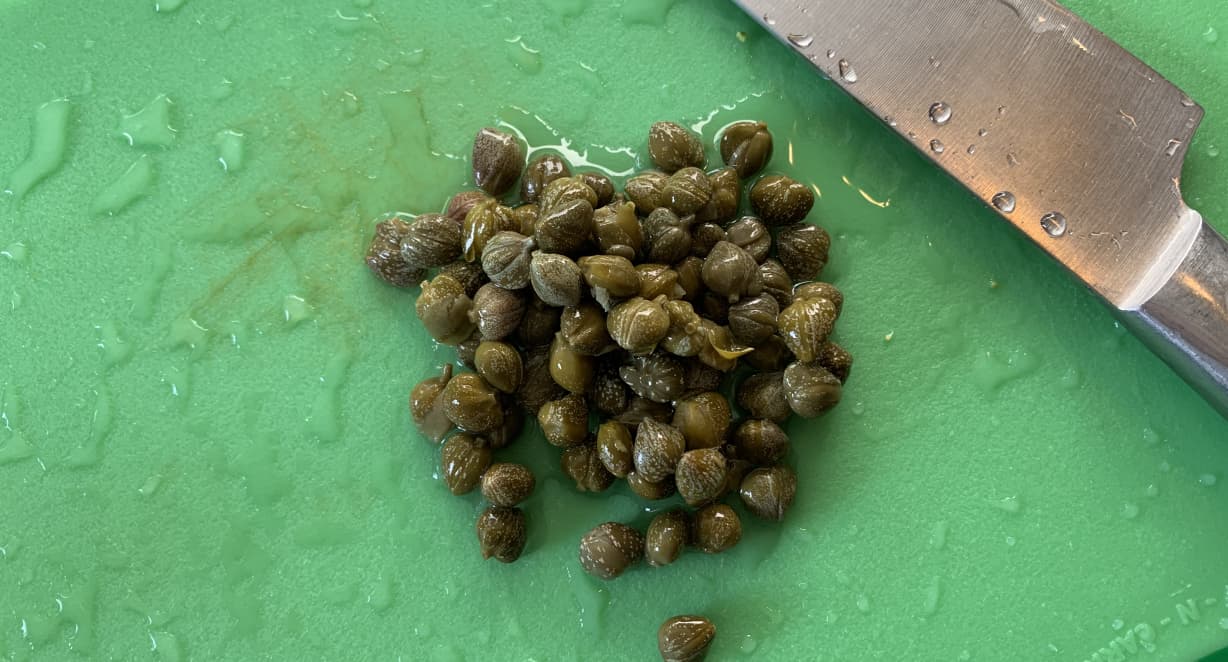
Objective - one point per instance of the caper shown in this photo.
(763, 396)
(779, 200)
(667, 536)
(651, 491)
(672, 147)
(760, 441)
(426, 405)
(819, 290)
(526, 219)
(483, 222)
(657, 376)
(701, 378)
(614, 273)
(776, 282)
(505, 259)
(601, 185)
(565, 227)
(583, 329)
(685, 639)
(646, 190)
(687, 191)
(719, 350)
(700, 475)
(539, 387)
(668, 235)
(556, 279)
(467, 349)
(726, 195)
(752, 321)
(751, 235)
(658, 280)
(504, 435)
(685, 336)
(608, 394)
(717, 528)
(444, 309)
(462, 202)
(731, 271)
(583, 464)
(690, 277)
(497, 160)
(472, 404)
(811, 389)
(468, 274)
(564, 422)
(500, 365)
(507, 484)
(384, 256)
(746, 146)
(464, 458)
(570, 369)
(501, 533)
(770, 356)
(836, 359)
(704, 236)
(802, 249)
(617, 230)
(498, 312)
(564, 190)
(703, 419)
(540, 172)
(805, 325)
(540, 323)
(640, 409)
(609, 549)
(637, 325)
(658, 446)
(432, 240)
(614, 448)
(769, 492)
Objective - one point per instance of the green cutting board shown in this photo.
(205, 451)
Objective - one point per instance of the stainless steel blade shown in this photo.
(1072, 139)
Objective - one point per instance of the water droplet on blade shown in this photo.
(1173, 146)
(1186, 101)
(940, 113)
(800, 40)
(971, 149)
(846, 71)
(983, 132)
(1053, 223)
(831, 53)
(1004, 202)
(937, 147)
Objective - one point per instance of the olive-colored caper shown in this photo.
(540, 323)
(646, 190)
(497, 311)
(811, 389)
(564, 190)
(468, 274)
(685, 336)
(556, 279)
(770, 356)
(483, 222)
(700, 475)
(768, 492)
(658, 280)
(779, 200)
(609, 549)
(505, 259)
(539, 387)
(507, 484)
(500, 365)
(690, 277)
(640, 409)
(539, 173)
(583, 329)
(753, 320)
(569, 368)
(501, 533)
(732, 272)
(472, 404)
(687, 191)
(462, 202)
(432, 240)
(614, 448)
(805, 325)
(717, 528)
(637, 325)
(464, 458)
(673, 147)
(526, 219)
(608, 393)
(616, 274)
(649, 490)
(497, 160)
(703, 419)
(726, 195)
(601, 185)
(702, 378)
(565, 227)
(658, 446)
(685, 638)
(504, 435)
(668, 534)
(763, 396)
(746, 146)
(704, 236)
(583, 464)
(564, 422)
(819, 290)
(760, 442)
(802, 249)
(384, 254)
(426, 406)
(776, 282)
(657, 376)
(467, 349)
(668, 235)
(836, 359)
(719, 350)
(752, 235)
(444, 309)
(618, 231)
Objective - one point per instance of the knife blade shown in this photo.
(1062, 132)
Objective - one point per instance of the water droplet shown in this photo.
(935, 62)
(528, 60)
(135, 183)
(1207, 480)
(1053, 223)
(1210, 35)
(1009, 504)
(858, 408)
(982, 132)
(971, 150)
(168, 6)
(1223, 623)
(937, 147)
(863, 603)
(1004, 201)
(295, 309)
(1011, 159)
(229, 143)
(846, 71)
(1129, 510)
(1173, 146)
(940, 113)
(1010, 541)
(48, 144)
(800, 40)
(1212, 151)
(890, 121)
(1165, 467)
(748, 644)
(1001, 110)
(933, 594)
(769, 20)
(1152, 490)
(16, 252)
(964, 656)
(938, 536)
(831, 52)
(150, 486)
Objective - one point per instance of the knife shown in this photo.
(1078, 144)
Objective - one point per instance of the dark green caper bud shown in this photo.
(776, 282)
(640, 409)
(539, 173)
(685, 336)
(384, 256)
(617, 230)
(467, 349)
(668, 235)
(501, 533)
(769, 492)
(658, 280)
(460, 204)
(746, 146)
(704, 236)
(763, 396)
(805, 325)
(583, 328)
(472, 404)
(802, 249)
(818, 290)
(614, 448)
(608, 393)
(667, 536)
(658, 377)
(564, 190)
(609, 549)
(836, 359)
(444, 310)
(497, 311)
(779, 200)
(540, 323)
(658, 446)
(464, 458)
(646, 191)
(726, 196)
(752, 321)
(717, 528)
(719, 349)
(690, 277)
(685, 638)
(483, 222)
(673, 147)
(504, 435)
(700, 475)
(751, 235)
(526, 219)
(507, 484)
(703, 419)
(687, 191)
(811, 389)
(556, 279)
(637, 325)
(500, 365)
(770, 356)
(426, 406)
(564, 422)
(497, 160)
(650, 491)
(432, 240)
(614, 273)
(760, 442)
(702, 378)
(505, 259)
(584, 466)
(539, 387)
(468, 274)
(565, 227)
(570, 369)
(732, 272)
(601, 185)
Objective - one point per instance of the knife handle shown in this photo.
(1186, 321)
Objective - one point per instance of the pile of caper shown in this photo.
(620, 320)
